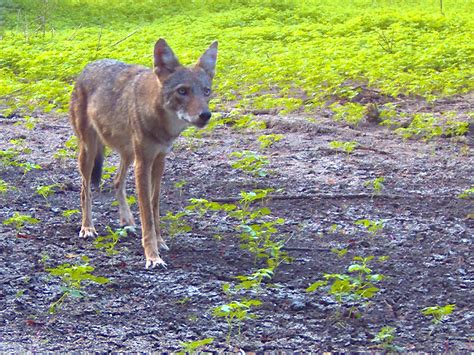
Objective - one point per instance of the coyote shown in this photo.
(139, 113)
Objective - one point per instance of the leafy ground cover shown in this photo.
(281, 56)
(328, 206)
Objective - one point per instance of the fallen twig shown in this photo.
(123, 39)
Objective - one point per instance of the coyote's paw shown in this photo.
(153, 259)
(154, 262)
(130, 229)
(126, 220)
(162, 245)
(87, 232)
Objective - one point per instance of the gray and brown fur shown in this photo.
(139, 113)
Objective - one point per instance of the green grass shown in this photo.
(284, 55)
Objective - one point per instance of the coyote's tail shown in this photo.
(96, 175)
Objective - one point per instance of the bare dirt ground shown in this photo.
(427, 236)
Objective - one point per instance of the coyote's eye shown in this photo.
(207, 91)
(182, 91)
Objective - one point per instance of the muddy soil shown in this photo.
(427, 236)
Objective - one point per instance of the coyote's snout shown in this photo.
(139, 113)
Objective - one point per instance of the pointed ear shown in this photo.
(165, 60)
(208, 60)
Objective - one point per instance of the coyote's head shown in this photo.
(186, 91)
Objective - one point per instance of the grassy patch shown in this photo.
(283, 55)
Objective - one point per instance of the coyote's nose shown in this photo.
(205, 116)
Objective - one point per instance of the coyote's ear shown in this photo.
(165, 60)
(208, 60)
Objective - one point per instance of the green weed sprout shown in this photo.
(179, 186)
(347, 147)
(28, 122)
(373, 227)
(467, 194)
(384, 339)
(109, 241)
(46, 190)
(376, 184)
(235, 313)
(73, 277)
(175, 224)
(253, 281)
(5, 187)
(69, 151)
(351, 113)
(358, 284)
(69, 213)
(107, 172)
(10, 157)
(250, 162)
(267, 140)
(191, 347)
(20, 220)
(438, 313)
(131, 200)
(339, 252)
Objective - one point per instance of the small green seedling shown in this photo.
(69, 151)
(27, 166)
(235, 313)
(46, 191)
(384, 339)
(5, 187)
(352, 112)
(64, 154)
(203, 206)
(69, 213)
(179, 186)
(253, 281)
(73, 277)
(21, 145)
(438, 313)
(346, 147)
(373, 227)
(357, 285)
(333, 228)
(241, 122)
(257, 238)
(376, 185)
(191, 347)
(11, 157)
(109, 241)
(267, 140)
(250, 162)
(8, 156)
(175, 224)
(131, 200)
(72, 143)
(339, 252)
(20, 220)
(28, 122)
(107, 172)
(467, 194)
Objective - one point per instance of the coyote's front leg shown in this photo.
(143, 170)
(157, 174)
